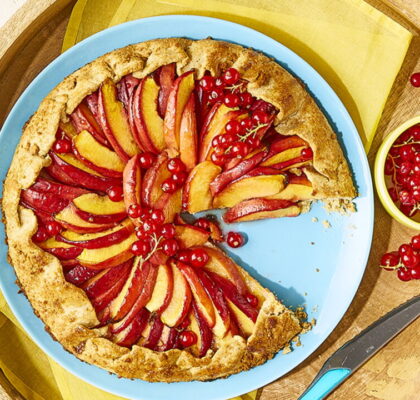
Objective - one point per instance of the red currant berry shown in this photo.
(157, 216)
(219, 83)
(198, 258)
(41, 235)
(389, 166)
(203, 223)
(168, 231)
(175, 165)
(187, 338)
(179, 177)
(251, 299)
(414, 131)
(233, 127)
(62, 146)
(150, 226)
(145, 213)
(390, 260)
(410, 260)
(416, 195)
(404, 274)
(231, 100)
(134, 210)
(415, 79)
(141, 234)
(184, 256)
(235, 239)
(115, 193)
(147, 159)
(393, 194)
(216, 95)
(307, 153)
(406, 198)
(230, 76)
(407, 152)
(240, 149)
(260, 117)
(53, 228)
(207, 83)
(170, 246)
(169, 186)
(405, 249)
(415, 273)
(405, 168)
(246, 99)
(219, 150)
(218, 159)
(246, 124)
(253, 142)
(140, 248)
(415, 242)
(227, 139)
(216, 141)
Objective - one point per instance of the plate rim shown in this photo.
(339, 108)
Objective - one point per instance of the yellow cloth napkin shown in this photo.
(357, 49)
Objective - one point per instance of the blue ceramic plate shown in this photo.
(302, 261)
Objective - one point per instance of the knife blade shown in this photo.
(358, 350)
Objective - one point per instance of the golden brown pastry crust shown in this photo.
(65, 309)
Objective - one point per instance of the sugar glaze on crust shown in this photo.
(65, 309)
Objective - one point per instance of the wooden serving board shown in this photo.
(32, 39)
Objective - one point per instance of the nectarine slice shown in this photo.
(170, 204)
(180, 302)
(132, 182)
(190, 236)
(196, 194)
(68, 129)
(63, 251)
(114, 122)
(149, 124)
(97, 240)
(153, 179)
(202, 299)
(177, 100)
(247, 188)
(162, 292)
(188, 138)
(96, 156)
(108, 257)
(299, 188)
(254, 209)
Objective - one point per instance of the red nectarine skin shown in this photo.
(171, 341)
(63, 191)
(102, 241)
(229, 290)
(100, 219)
(44, 201)
(132, 332)
(132, 182)
(103, 281)
(252, 206)
(79, 274)
(188, 139)
(294, 162)
(64, 253)
(154, 334)
(284, 143)
(83, 178)
(166, 78)
(83, 119)
(153, 179)
(205, 331)
(239, 170)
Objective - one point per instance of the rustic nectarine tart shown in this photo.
(100, 198)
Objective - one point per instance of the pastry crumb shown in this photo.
(314, 219)
(287, 349)
(326, 224)
(342, 206)
(317, 269)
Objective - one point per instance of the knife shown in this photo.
(357, 351)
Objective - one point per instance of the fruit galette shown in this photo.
(95, 195)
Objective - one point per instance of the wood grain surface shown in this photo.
(392, 374)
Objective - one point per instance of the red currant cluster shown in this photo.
(403, 167)
(233, 239)
(153, 234)
(229, 88)
(240, 137)
(178, 175)
(406, 260)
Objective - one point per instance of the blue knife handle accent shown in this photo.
(325, 384)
